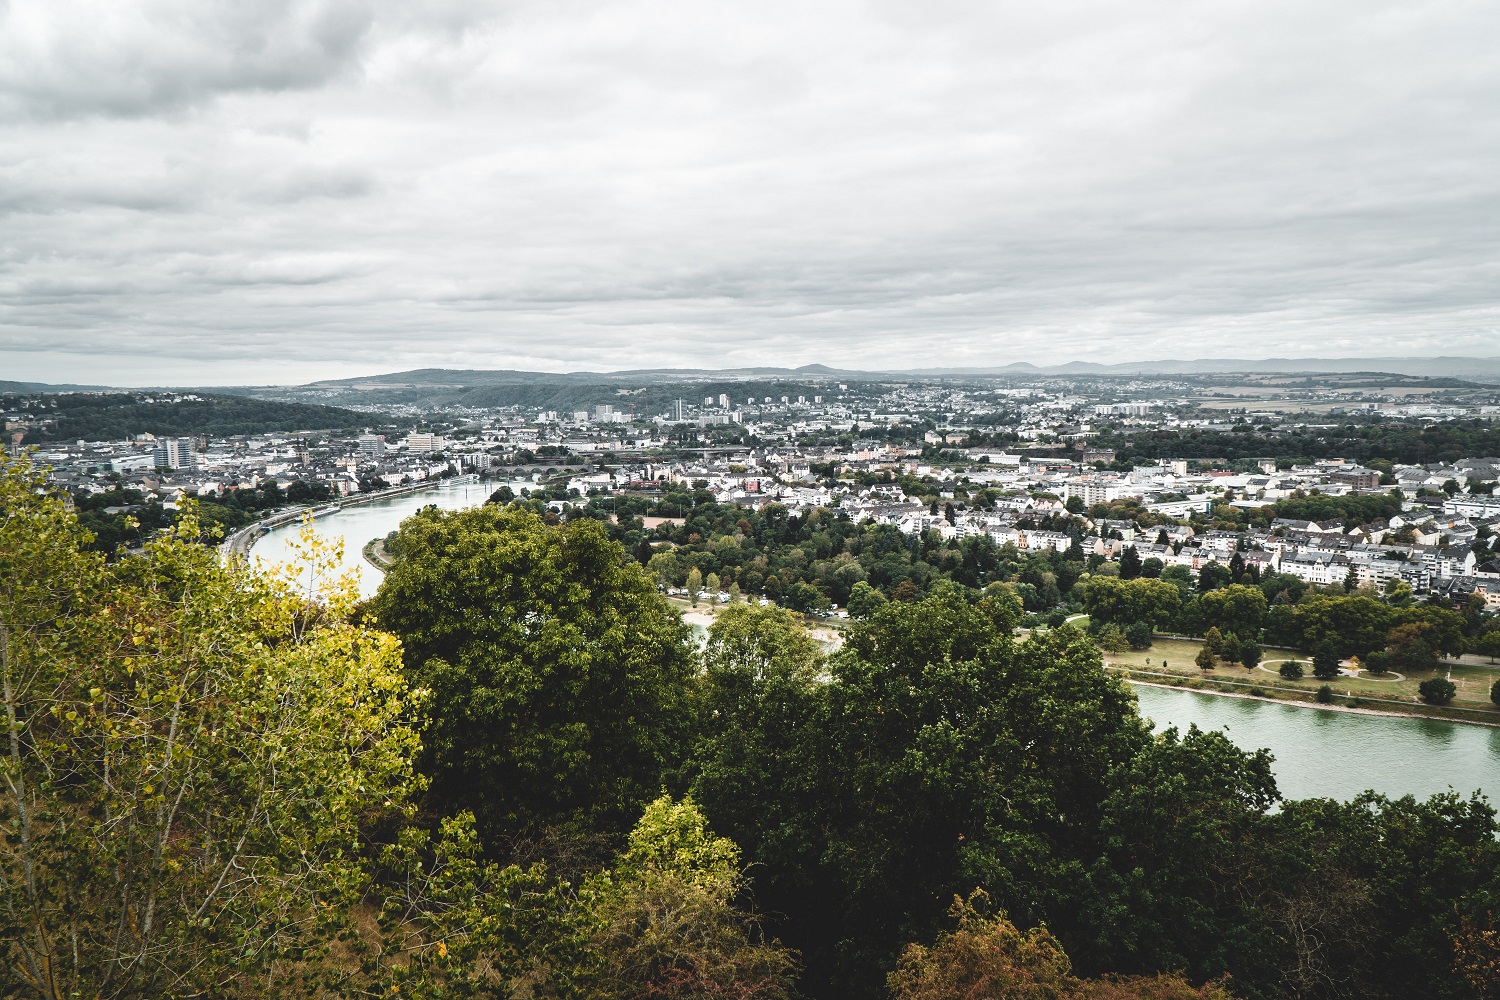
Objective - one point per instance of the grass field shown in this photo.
(1176, 656)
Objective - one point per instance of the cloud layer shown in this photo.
(213, 191)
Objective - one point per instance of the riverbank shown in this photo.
(376, 555)
(1392, 710)
(241, 540)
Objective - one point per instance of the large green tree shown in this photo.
(1112, 601)
(1237, 608)
(939, 754)
(558, 677)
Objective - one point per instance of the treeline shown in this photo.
(113, 416)
(124, 516)
(1282, 610)
(811, 560)
(514, 773)
(1406, 442)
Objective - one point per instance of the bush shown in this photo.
(1139, 635)
(1292, 671)
(1495, 692)
(1324, 695)
(1437, 691)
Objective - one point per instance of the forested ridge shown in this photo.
(513, 773)
(112, 416)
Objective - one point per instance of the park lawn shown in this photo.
(1472, 679)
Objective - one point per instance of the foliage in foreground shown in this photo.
(985, 955)
(191, 751)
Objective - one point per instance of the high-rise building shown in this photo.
(175, 453)
(724, 400)
(677, 410)
(371, 446)
(425, 444)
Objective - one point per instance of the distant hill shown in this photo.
(110, 416)
(1487, 369)
(6, 386)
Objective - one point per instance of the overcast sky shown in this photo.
(216, 191)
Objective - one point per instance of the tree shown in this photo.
(1488, 644)
(985, 955)
(1236, 608)
(192, 750)
(1130, 563)
(711, 583)
(927, 704)
(1410, 648)
(1249, 653)
(1326, 660)
(1291, 670)
(1139, 635)
(803, 596)
(665, 569)
(559, 678)
(1205, 658)
(1324, 694)
(694, 584)
(667, 922)
(864, 600)
(1495, 693)
(1212, 576)
(1215, 641)
(1108, 600)
(1437, 690)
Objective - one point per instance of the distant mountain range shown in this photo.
(1473, 368)
(438, 379)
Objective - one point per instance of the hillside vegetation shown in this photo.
(514, 773)
(108, 416)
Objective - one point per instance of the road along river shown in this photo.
(1318, 753)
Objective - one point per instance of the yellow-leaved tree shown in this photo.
(190, 751)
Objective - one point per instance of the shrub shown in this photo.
(1437, 691)
(1324, 695)
(1495, 692)
(1292, 670)
(1205, 658)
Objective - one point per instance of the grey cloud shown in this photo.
(583, 185)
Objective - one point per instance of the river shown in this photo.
(1318, 753)
(1339, 754)
(356, 525)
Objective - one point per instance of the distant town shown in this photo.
(1092, 467)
